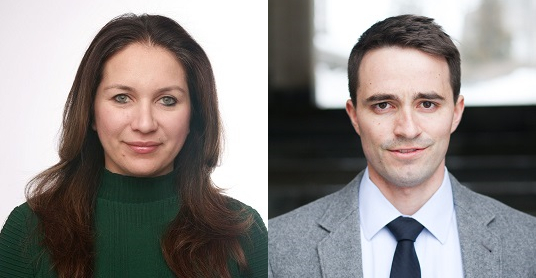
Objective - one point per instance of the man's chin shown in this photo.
(408, 178)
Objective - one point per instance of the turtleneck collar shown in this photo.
(127, 189)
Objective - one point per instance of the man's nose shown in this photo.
(407, 125)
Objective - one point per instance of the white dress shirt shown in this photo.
(437, 246)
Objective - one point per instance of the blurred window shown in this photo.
(496, 38)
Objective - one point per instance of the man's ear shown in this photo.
(459, 106)
(351, 111)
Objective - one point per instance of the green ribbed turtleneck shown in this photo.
(131, 216)
(125, 189)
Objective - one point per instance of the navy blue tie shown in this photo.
(405, 261)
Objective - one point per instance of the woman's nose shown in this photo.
(144, 121)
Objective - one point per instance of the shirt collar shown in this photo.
(375, 211)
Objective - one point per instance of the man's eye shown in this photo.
(428, 104)
(121, 98)
(168, 101)
(382, 105)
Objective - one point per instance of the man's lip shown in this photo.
(407, 150)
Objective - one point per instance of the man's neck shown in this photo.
(408, 199)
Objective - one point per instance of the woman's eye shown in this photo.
(168, 101)
(121, 98)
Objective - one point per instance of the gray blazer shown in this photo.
(322, 239)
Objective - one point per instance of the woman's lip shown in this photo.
(143, 147)
(143, 143)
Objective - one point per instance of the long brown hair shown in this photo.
(204, 235)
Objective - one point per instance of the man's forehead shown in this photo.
(404, 72)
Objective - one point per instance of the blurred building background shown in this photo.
(313, 149)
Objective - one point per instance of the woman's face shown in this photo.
(142, 111)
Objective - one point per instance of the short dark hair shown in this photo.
(406, 31)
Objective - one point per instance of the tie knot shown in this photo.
(405, 228)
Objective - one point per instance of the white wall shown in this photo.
(42, 43)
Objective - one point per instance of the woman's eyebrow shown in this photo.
(119, 86)
(161, 90)
(173, 88)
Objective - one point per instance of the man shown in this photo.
(404, 81)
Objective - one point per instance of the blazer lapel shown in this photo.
(340, 250)
(480, 247)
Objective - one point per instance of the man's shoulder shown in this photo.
(294, 238)
(309, 215)
(302, 217)
(505, 218)
(489, 230)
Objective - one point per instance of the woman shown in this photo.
(132, 194)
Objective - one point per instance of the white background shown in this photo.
(42, 44)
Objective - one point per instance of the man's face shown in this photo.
(404, 114)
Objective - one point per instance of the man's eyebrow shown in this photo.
(381, 97)
(429, 95)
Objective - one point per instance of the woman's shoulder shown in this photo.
(21, 216)
(254, 242)
(19, 227)
(257, 228)
(245, 210)
(18, 245)
(235, 204)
